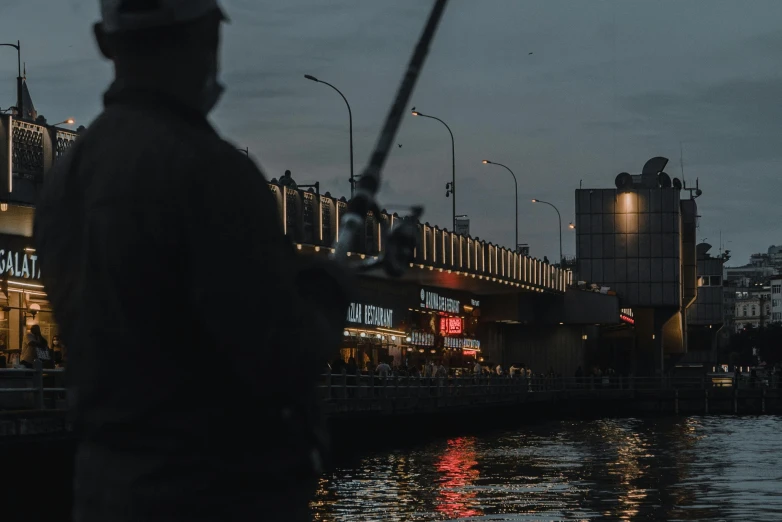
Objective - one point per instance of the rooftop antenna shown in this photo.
(681, 162)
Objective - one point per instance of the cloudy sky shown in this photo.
(608, 85)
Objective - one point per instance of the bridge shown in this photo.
(442, 258)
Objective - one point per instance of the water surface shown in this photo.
(693, 468)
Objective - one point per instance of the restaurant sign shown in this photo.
(626, 315)
(419, 338)
(434, 301)
(459, 343)
(451, 325)
(370, 315)
(19, 263)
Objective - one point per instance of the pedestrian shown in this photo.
(37, 349)
(383, 370)
(286, 180)
(498, 369)
(151, 201)
(60, 352)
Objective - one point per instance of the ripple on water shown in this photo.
(694, 468)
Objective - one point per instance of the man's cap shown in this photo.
(131, 15)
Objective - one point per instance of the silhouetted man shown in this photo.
(158, 237)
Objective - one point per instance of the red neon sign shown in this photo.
(470, 353)
(451, 325)
(626, 319)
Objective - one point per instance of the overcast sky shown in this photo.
(608, 85)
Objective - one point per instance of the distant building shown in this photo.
(776, 300)
(760, 267)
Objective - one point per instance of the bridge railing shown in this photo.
(40, 389)
(312, 219)
(32, 388)
(341, 386)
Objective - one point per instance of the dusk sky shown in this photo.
(608, 85)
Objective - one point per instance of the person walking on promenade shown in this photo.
(150, 201)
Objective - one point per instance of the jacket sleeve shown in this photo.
(282, 310)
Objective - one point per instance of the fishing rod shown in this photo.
(399, 240)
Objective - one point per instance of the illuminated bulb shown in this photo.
(346, 333)
(379, 336)
(363, 334)
(393, 337)
(3, 207)
(408, 339)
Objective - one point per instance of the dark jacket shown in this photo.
(161, 248)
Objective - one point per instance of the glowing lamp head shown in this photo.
(415, 113)
(70, 121)
(534, 200)
(486, 162)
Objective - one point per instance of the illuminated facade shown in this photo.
(638, 239)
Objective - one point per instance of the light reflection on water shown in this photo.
(695, 468)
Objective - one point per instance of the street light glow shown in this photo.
(572, 226)
(534, 200)
(485, 162)
(415, 113)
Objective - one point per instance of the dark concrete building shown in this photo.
(638, 239)
(705, 317)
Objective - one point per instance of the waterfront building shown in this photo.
(638, 239)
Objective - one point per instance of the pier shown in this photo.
(33, 403)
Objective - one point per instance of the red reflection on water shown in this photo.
(457, 466)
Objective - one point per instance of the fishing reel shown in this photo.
(399, 240)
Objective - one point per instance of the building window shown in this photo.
(744, 311)
(776, 289)
(754, 311)
(710, 280)
(775, 302)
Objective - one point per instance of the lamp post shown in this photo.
(516, 185)
(560, 226)
(19, 100)
(69, 121)
(452, 190)
(350, 118)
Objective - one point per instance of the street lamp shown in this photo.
(69, 121)
(571, 226)
(19, 100)
(516, 185)
(350, 118)
(560, 225)
(450, 191)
